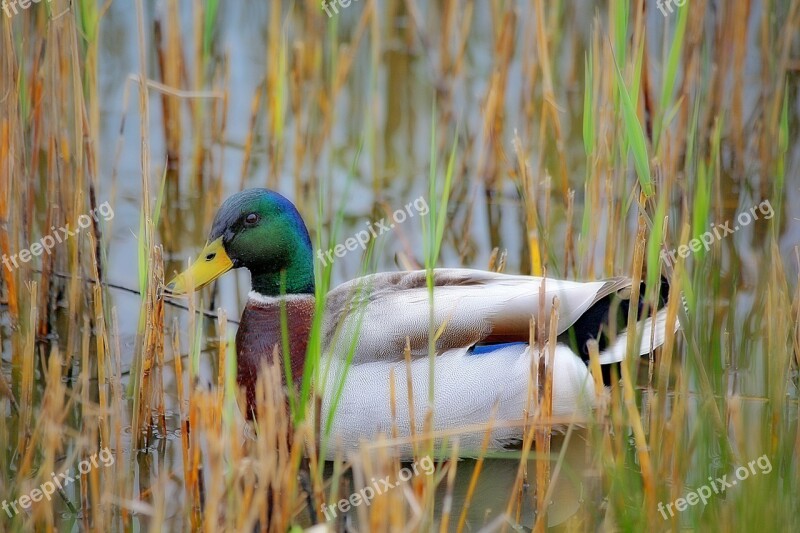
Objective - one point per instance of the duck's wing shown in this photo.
(374, 315)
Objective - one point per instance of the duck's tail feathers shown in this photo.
(651, 332)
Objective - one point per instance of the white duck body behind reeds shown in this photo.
(483, 364)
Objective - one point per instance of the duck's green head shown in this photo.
(262, 231)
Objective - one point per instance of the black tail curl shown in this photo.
(606, 319)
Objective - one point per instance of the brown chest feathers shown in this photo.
(259, 340)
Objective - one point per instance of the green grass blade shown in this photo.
(635, 135)
(670, 75)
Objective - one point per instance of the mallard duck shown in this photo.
(482, 322)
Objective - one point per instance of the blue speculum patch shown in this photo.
(483, 349)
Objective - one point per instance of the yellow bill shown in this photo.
(210, 264)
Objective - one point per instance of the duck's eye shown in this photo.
(251, 219)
